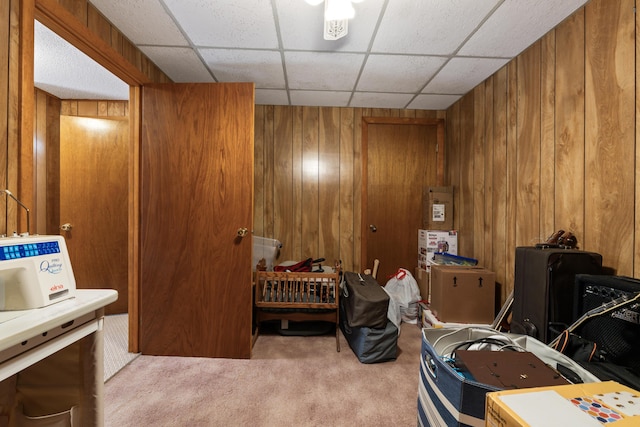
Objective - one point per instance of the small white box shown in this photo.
(265, 248)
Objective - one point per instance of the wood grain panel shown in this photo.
(609, 131)
(453, 159)
(570, 123)
(270, 171)
(259, 162)
(95, 108)
(15, 92)
(329, 185)
(511, 170)
(197, 190)
(500, 181)
(547, 133)
(478, 147)
(39, 209)
(284, 202)
(488, 142)
(77, 7)
(117, 109)
(53, 167)
(636, 252)
(528, 148)
(5, 99)
(346, 212)
(310, 183)
(133, 248)
(25, 113)
(465, 189)
(88, 108)
(358, 180)
(98, 24)
(297, 181)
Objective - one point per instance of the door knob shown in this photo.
(373, 228)
(242, 232)
(66, 227)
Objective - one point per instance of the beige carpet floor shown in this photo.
(289, 381)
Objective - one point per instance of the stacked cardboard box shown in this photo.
(463, 294)
(437, 208)
(432, 241)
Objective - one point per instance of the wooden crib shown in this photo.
(298, 296)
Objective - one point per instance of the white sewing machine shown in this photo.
(35, 271)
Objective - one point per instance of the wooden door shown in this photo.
(196, 193)
(93, 200)
(401, 158)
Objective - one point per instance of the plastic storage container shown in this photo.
(265, 248)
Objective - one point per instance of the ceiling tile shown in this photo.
(434, 27)
(380, 100)
(271, 97)
(66, 72)
(460, 75)
(433, 102)
(516, 25)
(320, 99)
(302, 26)
(322, 70)
(398, 52)
(239, 65)
(127, 15)
(398, 73)
(182, 65)
(226, 23)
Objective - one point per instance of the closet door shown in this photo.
(196, 200)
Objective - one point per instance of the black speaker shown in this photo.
(616, 332)
(543, 289)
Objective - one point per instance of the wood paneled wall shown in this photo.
(46, 136)
(549, 142)
(11, 44)
(95, 108)
(308, 179)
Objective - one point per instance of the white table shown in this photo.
(51, 358)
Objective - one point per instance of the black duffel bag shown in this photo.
(365, 302)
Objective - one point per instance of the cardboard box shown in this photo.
(429, 320)
(570, 405)
(437, 208)
(462, 294)
(432, 241)
(422, 277)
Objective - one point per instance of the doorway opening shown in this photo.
(81, 150)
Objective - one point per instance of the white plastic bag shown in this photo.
(403, 290)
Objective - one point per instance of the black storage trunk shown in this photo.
(370, 345)
(365, 302)
(544, 286)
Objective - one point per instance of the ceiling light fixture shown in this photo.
(336, 16)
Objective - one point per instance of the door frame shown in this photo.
(53, 15)
(399, 121)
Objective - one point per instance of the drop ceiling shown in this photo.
(414, 54)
